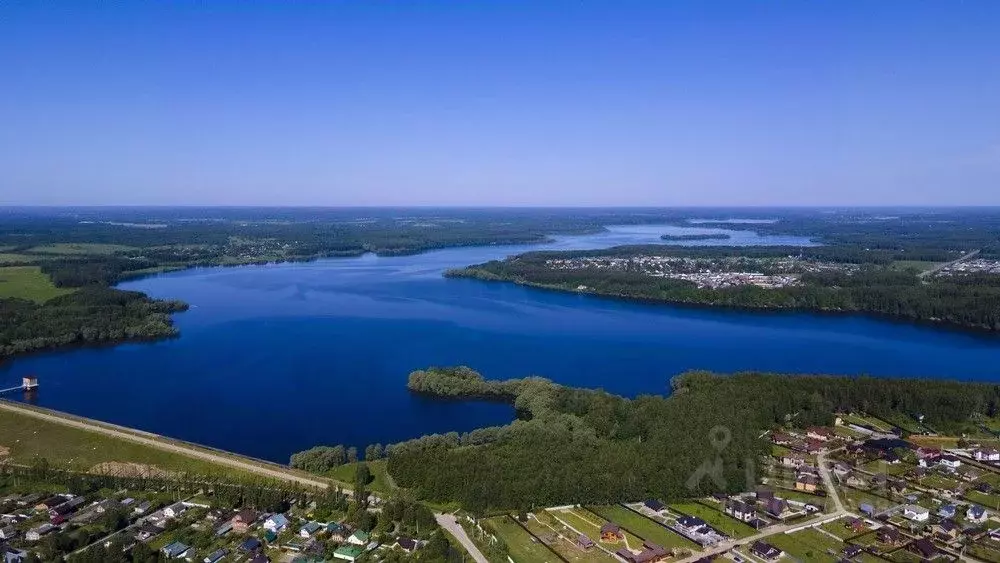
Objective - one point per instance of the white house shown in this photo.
(276, 523)
(976, 514)
(986, 455)
(916, 513)
(36, 534)
(309, 529)
(174, 510)
(950, 461)
(359, 537)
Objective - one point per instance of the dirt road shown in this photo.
(259, 468)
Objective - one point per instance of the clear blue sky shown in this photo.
(499, 103)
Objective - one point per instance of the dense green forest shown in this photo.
(971, 301)
(591, 447)
(90, 315)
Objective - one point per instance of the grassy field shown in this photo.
(25, 437)
(7, 258)
(643, 527)
(800, 496)
(716, 518)
(991, 501)
(938, 482)
(79, 249)
(860, 420)
(918, 265)
(590, 524)
(28, 282)
(522, 547)
(839, 528)
(853, 498)
(984, 552)
(548, 529)
(382, 483)
(808, 545)
(880, 466)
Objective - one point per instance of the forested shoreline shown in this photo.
(89, 250)
(91, 315)
(875, 288)
(588, 446)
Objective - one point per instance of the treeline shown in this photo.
(591, 447)
(321, 459)
(971, 301)
(90, 315)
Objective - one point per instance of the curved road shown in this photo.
(250, 466)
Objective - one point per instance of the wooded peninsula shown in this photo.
(587, 446)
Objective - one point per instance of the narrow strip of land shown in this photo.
(152, 440)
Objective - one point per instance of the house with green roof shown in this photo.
(348, 553)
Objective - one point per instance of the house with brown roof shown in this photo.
(806, 483)
(243, 520)
(611, 533)
(651, 553)
(889, 535)
(924, 548)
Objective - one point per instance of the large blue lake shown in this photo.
(275, 359)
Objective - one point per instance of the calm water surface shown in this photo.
(275, 359)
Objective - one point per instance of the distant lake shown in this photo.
(275, 359)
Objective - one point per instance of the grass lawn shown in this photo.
(839, 528)
(934, 441)
(779, 451)
(28, 282)
(521, 546)
(643, 527)
(548, 529)
(382, 483)
(991, 501)
(715, 518)
(880, 466)
(80, 249)
(938, 482)
(860, 420)
(799, 496)
(26, 437)
(984, 552)
(590, 524)
(808, 545)
(854, 498)
(903, 556)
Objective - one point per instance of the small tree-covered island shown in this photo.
(584, 446)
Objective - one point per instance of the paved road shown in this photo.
(782, 528)
(258, 468)
(450, 523)
(940, 267)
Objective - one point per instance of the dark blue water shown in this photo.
(275, 359)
